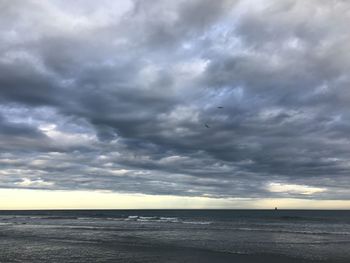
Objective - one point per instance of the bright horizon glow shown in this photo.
(25, 199)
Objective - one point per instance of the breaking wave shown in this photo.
(164, 220)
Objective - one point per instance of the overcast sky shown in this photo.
(201, 98)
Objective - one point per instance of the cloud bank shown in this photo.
(246, 99)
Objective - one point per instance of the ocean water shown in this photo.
(173, 235)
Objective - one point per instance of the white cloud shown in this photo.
(67, 138)
(27, 182)
(294, 189)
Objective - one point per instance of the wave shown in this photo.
(5, 224)
(60, 217)
(134, 218)
(291, 231)
(304, 218)
(152, 219)
(197, 222)
(162, 219)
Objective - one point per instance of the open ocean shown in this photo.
(175, 236)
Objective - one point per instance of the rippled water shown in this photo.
(106, 236)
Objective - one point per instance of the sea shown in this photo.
(175, 236)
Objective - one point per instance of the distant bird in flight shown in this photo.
(206, 124)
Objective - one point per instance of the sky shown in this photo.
(174, 104)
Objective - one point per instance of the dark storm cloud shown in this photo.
(117, 96)
(16, 80)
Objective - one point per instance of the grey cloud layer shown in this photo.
(116, 95)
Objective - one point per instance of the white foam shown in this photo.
(197, 222)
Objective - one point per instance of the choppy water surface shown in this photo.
(109, 235)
